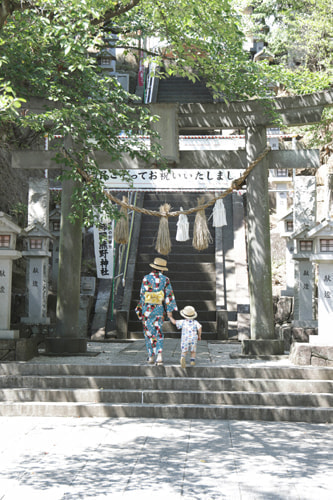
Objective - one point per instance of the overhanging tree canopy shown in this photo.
(47, 48)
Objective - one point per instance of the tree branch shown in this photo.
(146, 51)
(117, 11)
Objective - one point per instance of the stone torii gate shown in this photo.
(255, 116)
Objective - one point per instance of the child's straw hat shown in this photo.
(188, 312)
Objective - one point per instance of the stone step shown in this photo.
(167, 383)
(289, 373)
(146, 244)
(191, 397)
(271, 393)
(178, 256)
(181, 411)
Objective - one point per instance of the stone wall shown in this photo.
(18, 350)
(308, 354)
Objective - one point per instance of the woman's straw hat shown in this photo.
(188, 312)
(159, 264)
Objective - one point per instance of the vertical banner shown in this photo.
(104, 249)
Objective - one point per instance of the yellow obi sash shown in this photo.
(154, 297)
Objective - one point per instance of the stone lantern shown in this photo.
(8, 234)
(303, 297)
(322, 235)
(37, 255)
(107, 59)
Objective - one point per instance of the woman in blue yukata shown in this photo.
(156, 298)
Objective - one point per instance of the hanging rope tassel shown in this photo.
(121, 231)
(163, 242)
(201, 234)
(219, 215)
(182, 228)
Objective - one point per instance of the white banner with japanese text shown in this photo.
(104, 249)
(174, 180)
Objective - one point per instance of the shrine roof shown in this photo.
(7, 224)
(36, 229)
(324, 228)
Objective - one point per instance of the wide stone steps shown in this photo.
(241, 412)
(179, 252)
(146, 396)
(241, 393)
(168, 383)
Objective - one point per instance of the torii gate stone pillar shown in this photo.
(259, 251)
(68, 337)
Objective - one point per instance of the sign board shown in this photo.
(104, 250)
(185, 180)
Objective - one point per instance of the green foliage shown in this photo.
(298, 32)
(9, 103)
(197, 39)
(19, 211)
(48, 49)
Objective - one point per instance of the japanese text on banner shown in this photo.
(104, 250)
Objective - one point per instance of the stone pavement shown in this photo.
(104, 458)
(99, 458)
(134, 352)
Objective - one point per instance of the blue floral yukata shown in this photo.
(152, 315)
(189, 337)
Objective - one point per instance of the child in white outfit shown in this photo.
(191, 333)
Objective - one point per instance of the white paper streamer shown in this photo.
(182, 228)
(219, 215)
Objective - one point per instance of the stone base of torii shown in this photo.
(255, 117)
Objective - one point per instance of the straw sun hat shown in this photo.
(159, 264)
(188, 312)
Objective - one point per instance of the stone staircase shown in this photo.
(294, 394)
(192, 273)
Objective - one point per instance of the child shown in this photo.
(191, 333)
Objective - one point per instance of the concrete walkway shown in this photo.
(100, 458)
